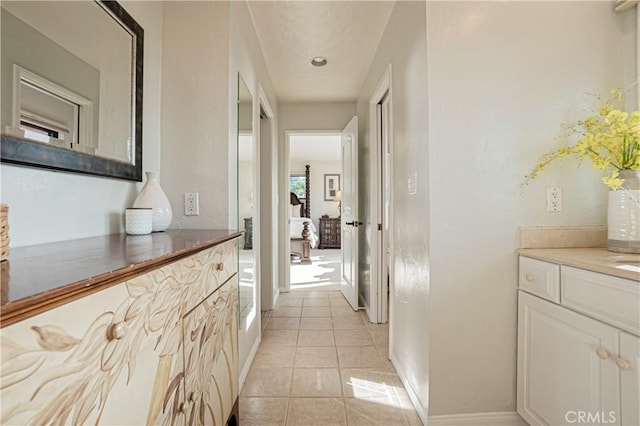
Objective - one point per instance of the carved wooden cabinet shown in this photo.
(330, 232)
(159, 348)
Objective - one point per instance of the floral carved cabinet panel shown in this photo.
(128, 354)
(211, 357)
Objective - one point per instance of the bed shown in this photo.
(302, 231)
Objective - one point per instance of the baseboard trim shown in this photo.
(420, 410)
(503, 418)
(247, 365)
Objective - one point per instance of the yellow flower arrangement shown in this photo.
(610, 139)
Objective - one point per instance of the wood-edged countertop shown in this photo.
(38, 278)
(592, 259)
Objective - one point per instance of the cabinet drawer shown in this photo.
(540, 278)
(225, 261)
(613, 300)
(203, 272)
(72, 354)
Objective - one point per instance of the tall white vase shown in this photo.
(623, 215)
(152, 196)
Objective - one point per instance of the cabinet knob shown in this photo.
(530, 277)
(623, 364)
(219, 266)
(602, 353)
(117, 331)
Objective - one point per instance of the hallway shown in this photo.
(323, 273)
(320, 363)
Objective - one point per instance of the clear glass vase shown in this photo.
(623, 215)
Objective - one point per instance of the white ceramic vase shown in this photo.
(152, 196)
(138, 221)
(623, 215)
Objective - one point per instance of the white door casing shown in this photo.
(380, 203)
(385, 246)
(349, 216)
(269, 184)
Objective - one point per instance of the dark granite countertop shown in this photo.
(37, 276)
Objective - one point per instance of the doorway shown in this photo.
(314, 170)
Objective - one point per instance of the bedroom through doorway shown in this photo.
(315, 168)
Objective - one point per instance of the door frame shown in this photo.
(271, 176)
(285, 262)
(253, 326)
(379, 306)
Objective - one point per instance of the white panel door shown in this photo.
(564, 364)
(629, 364)
(349, 213)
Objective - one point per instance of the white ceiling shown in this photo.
(314, 148)
(347, 33)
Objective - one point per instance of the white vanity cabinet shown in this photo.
(577, 357)
(157, 348)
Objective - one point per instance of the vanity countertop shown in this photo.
(37, 278)
(593, 259)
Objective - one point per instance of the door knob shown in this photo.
(353, 223)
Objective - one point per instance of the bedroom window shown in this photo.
(298, 185)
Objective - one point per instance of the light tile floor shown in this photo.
(321, 363)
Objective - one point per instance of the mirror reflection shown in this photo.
(246, 166)
(68, 77)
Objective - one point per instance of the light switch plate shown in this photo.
(412, 183)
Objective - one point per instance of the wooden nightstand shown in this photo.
(330, 232)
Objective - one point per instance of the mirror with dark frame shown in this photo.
(71, 80)
(246, 165)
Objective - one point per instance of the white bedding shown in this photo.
(295, 229)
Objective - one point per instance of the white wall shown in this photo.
(47, 206)
(195, 110)
(404, 46)
(503, 77)
(316, 175)
(303, 116)
(245, 57)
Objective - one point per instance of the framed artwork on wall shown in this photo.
(331, 187)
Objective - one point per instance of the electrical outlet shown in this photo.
(191, 204)
(554, 200)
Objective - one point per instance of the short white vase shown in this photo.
(154, 197)
(623, 215)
